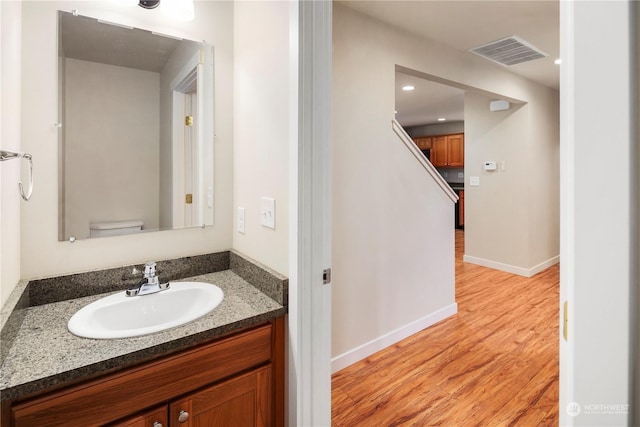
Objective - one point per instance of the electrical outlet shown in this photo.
(241, 216)
(268, 212)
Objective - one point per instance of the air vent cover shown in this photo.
(510, 51)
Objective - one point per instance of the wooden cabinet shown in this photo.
(423, 142)
(237, 380)
(240, 402)
(448, 150)
(156, 417)
(455, 150)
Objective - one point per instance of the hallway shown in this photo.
(494, 363)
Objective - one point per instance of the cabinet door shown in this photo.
(439, 151)
(157, 417)
(455, 150)
(423, 142)
(244, 401)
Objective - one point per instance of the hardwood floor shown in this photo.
(495, 363)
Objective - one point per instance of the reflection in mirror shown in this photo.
(136, 133)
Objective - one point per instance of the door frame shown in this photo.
(309, 319)
(598, 237)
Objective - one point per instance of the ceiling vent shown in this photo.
(510, 51)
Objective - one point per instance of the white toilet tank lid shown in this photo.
(115, 224)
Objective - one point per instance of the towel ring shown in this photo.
(9, 155)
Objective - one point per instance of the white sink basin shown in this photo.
(120, 316)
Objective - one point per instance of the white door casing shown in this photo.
(309, 320)
(596, 245)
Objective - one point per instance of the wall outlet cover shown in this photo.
(240, 220)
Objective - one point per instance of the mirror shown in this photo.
(136, 130)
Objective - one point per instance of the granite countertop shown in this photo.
(43, 353)
(456, 185)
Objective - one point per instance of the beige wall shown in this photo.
(42, 254)
(101, 166)
(10, 200)
(390, 256)
(512, 218)
(393, 231)
(261, 127)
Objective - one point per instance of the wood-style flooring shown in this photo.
(494, 363)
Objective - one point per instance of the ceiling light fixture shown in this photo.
(441, 119)
(558, 61)
(149, 4)
(395, 111)
(408, 88)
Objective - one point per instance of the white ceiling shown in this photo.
(463, 25)
(427, 102)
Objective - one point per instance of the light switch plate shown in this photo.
(268, 212)
(241, 217)
(474, 181)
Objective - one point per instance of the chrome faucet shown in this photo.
(150, 285)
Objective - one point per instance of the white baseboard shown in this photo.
(373, 346)
(526, 272)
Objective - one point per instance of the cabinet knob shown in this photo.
(183, 416)
(157, 424)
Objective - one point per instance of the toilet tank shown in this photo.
(114, 228)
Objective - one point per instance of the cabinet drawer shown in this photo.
(117, 395)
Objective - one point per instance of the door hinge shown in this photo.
(188, 198)
(326, 276)
(188, 121)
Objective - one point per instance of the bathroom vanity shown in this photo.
(226, 368)
(233, 381)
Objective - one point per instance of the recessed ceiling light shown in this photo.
(408, 87)
(558, 61)
(395, 111)
(441, 119)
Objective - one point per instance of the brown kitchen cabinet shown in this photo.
(233, 381)
(448, 150)
(423, 142)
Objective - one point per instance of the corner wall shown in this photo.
(512, 218)
(10, 75)
(261, 128)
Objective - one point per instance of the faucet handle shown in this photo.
(150, 270)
